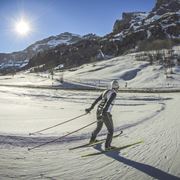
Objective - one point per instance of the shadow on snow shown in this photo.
(145, 168)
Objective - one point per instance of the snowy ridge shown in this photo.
(142, 22)
(53, 41)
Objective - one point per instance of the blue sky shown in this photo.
(52, 17)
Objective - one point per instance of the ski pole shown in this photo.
(29, 149)
(57, 124)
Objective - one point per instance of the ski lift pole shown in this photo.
(29, 149)
(57, 124)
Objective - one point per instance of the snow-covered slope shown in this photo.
(128, 70)
(153, 118)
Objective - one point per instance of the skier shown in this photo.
(103, 113)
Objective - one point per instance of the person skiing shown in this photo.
(107, 99)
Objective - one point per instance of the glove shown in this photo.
(88, 110)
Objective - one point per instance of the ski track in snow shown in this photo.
(142, 116)
(25, 140)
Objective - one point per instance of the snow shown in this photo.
(152, 117)
(12, 63)
(55, 42)
(148, 34)
(152, 19)
(176, 49)
(169, 25)
(126, 69)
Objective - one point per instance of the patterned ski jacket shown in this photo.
(107, 99)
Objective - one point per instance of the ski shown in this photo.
(93, 144)
(111, 150)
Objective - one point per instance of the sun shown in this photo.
(22, 27)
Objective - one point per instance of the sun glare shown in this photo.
(22, 27)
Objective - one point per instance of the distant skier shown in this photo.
(103, 113)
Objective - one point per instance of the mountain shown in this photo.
(164, 17)
(19, 59)
(162, 23)
(136, 31)
(69, 55)
(53, 41)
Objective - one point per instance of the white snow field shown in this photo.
(151, 117)
(130, 72)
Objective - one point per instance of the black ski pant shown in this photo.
(107, 120)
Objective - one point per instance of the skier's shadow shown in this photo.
(145, 168)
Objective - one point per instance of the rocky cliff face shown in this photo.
(162, 23)
(127, 20)
(166, 6)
